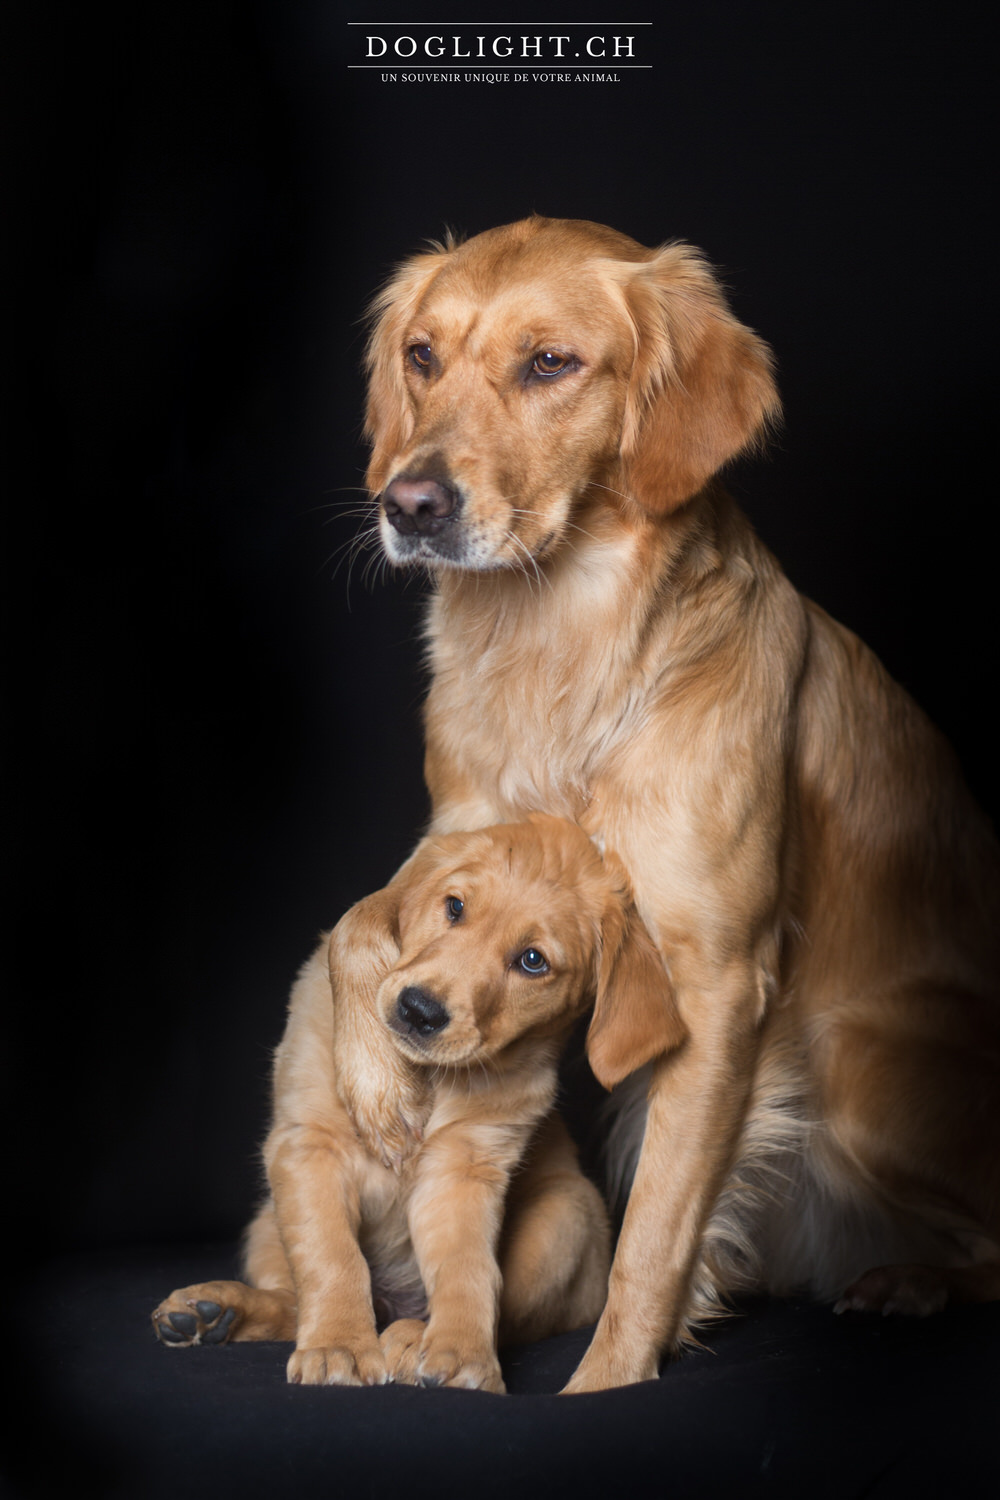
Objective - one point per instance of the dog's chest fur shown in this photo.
(534, 691)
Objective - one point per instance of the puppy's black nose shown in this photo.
(418, 1011)
(419, 507)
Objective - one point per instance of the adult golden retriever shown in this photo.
(453, 988)
(550, 404)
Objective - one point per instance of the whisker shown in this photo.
(620, 493)
(376, 569)
(361, 513)
(336, 504)
(567, 524)
(350, 550)
(540, 576)
(343, 489)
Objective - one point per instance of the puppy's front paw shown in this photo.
(448, 1363)
(349, 1363)
(401, 1342)
(208, 1313)
(417, 1355)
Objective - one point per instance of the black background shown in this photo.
(216, 743)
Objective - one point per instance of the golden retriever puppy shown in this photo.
(550, 404)
(452, 990)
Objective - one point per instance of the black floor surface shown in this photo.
(786, 1400)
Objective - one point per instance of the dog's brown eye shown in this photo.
(421, 354)
(454, 906)
(532, 961)
(550, 363)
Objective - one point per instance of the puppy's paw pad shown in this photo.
(184, 1320)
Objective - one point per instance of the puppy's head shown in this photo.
(513, 931)
(539, 368)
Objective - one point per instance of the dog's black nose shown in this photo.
(418, 1011)
(419, 507)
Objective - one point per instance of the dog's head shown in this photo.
(513, 931)
(515, 374)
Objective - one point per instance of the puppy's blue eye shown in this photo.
(454, 906)
(533, 962)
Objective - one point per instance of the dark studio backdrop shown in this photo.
(216, 738)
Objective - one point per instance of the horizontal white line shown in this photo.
(517, 66)
(500, 23)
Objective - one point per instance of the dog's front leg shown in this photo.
(455, 1215)
(697, 1104)
(318, 1215)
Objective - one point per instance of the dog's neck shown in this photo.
(609, 559)
(562, 667)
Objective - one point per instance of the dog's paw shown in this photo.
(444, 1363)
(912, 1291)
(205, 1314)
(462, 1369)
(417, 1355)
(598, 1373)
(401, 1343)
(350, 1363)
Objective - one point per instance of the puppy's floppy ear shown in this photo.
(701, 389)
(388, 416)
(385, 1096)
(365, 943)
(635, 1017)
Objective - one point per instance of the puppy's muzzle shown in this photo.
(418, 1014)
(423, 506)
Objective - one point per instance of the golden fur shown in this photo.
(549, 406)
(433, 1006)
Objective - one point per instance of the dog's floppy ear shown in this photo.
(384, 1094)
(701, 389)
(635, 1016)
(365, 943)
(388, 416)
